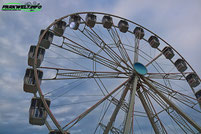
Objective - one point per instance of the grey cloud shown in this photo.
(176, 21)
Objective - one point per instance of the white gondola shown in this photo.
(47, 39)
(154, 41)
(193, 80)
(90, 20)
(56, 131)
(138, 32)
(123, 26)
(59, 28)
(29, 80)
(198, 96)
(40, 56)
(107, 21)
(168, 52)
(180, 65)
(37, 112)
(74, 22)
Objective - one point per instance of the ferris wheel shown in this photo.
(99, 73)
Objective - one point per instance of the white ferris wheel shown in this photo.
(99, 73)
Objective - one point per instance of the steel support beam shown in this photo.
(169, 102)
(127, 127)
(128, 123)
(114, 115)
(148, 111)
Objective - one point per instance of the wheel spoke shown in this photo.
(82, 51)
(180, 97)
(118, 43)
(64, 73)
(96, 39)
(77, 119)
(154, 59)
(172, 76)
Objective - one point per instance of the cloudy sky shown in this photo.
(178, 22)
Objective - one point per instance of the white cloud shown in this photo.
(61, 110)
(7, 82)
(76, 131)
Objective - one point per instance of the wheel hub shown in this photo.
(140, 68)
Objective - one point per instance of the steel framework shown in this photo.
(155, 90)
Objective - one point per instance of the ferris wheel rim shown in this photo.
(37, 47)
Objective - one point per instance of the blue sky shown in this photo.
(178, 22)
